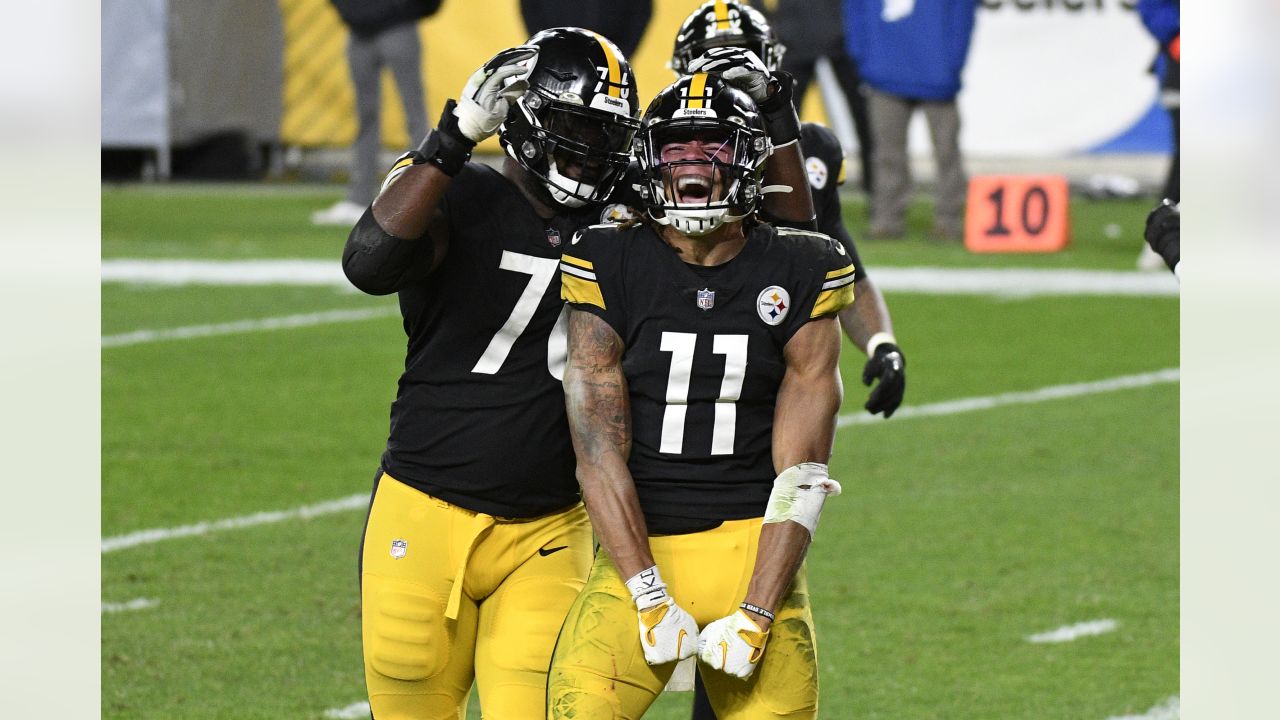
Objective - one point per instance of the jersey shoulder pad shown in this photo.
(591, 251)
(823, 254)
(823, 156)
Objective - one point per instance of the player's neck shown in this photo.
(715, 248)
(531, 188)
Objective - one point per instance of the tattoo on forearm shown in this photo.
(599, 411)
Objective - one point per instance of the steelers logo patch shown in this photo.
(817, 171)
(617, 213)
(773, 304)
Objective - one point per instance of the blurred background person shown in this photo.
(1162, 18)
(383, 34)
(624, 23)
(813, 30)
(911, 54)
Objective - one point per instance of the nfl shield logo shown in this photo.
(553, 237)
(399, 548)
(706, 298)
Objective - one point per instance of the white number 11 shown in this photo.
(680, 345)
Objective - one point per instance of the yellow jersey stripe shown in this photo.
(577, 290)
(575, 261)
(832, 301)
(697, 88)
(615, 68)
(841, 175)
(840, 272)
(722, 15)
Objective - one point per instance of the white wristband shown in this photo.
(798, 495)
(879, 338)
(647, 588)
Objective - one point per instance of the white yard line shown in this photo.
(951, 407)
(1170, 709)
(139, 337)
(1052, 392)
(354, 711)
(135, 604)
(1005, 282)
(1067, 633)
(146, 537)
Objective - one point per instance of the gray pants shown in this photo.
(397, 48)
(890, 116)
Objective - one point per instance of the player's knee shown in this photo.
(574, 704)
(405, 634)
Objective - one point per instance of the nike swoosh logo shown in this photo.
(547, 551)
(680, 642)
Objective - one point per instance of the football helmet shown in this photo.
(726, 23)
(573, 127)
(701, 149)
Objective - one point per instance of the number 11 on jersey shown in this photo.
(681, 346)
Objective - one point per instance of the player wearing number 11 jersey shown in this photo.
(702, 386)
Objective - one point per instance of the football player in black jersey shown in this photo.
(702, 386)
(717, 32)
(476, 541)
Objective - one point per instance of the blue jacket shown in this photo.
(919, 55)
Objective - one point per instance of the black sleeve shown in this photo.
(380, 264)
(820, 144)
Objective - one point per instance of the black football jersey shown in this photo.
(825, 167)
(479, 416)
(704, 356)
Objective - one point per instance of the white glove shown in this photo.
(667, 632)
(739, 67)
(733, 644)
(487, 96)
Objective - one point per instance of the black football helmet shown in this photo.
(726, 23)
(574, 126)
(700, 120)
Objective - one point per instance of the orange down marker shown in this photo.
(1017, 214)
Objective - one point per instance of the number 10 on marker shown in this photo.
(1017, 213)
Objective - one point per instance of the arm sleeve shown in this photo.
(379, 263)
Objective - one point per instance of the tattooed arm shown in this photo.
(600, 422)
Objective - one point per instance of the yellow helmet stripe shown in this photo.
(722, 15)
(697, 88)
(615, 67)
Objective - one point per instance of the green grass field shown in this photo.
(958, 535)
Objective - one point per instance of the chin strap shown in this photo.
(775, 189)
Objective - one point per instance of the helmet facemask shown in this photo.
(577, 152)
(700, 173)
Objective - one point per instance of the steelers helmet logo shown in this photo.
(817, 171)
(773, 304)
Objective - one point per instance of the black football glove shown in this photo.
(1162, 233)
(887, 364)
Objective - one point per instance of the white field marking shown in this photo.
(1170, 709)
(1067, 633)
(1023, 282)
(951, 407)
(1052, 392)
(1009, 282)
(354, 711)
(135, 604)
(225, 272)
(146, 537)
(285, 322)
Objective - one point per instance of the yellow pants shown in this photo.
(449, 595)
(599, 672)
